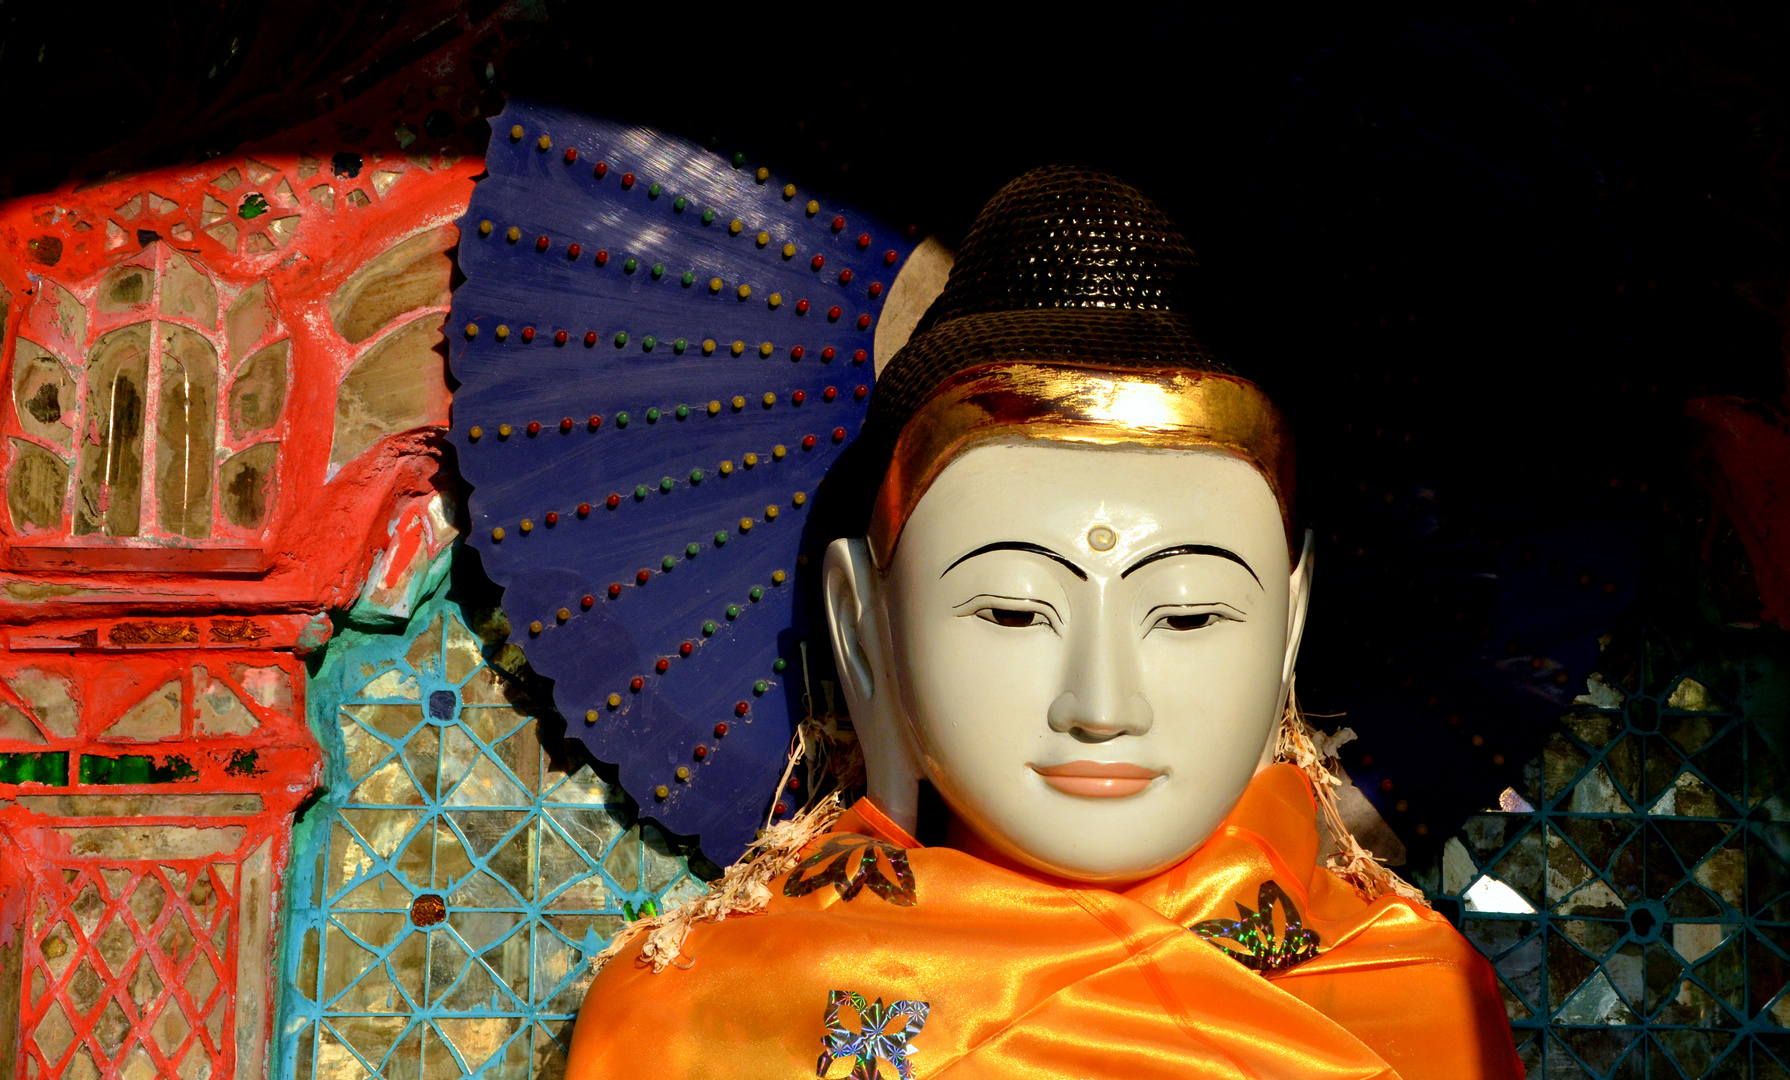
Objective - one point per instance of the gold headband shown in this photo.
(1162, 409)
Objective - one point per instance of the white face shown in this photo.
(1088, 648)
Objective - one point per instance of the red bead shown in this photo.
(779, 809)
(859, 357)
(741, 708)
(627, 179)
(553, 517)
(818, 261)
(801, 307)
(838, 223)
(559, 337)
(863, 241)
(828, 353)
(834, 312)
(686, 649)
(590, 338)
(644, 576)
(571, 154)
(860, 392)
(701, 752)
(889, 258)
(845, 276)
(798, 397)
(602, 169)
(1386, 785)
(913, 230)
(565, 424)
(528, 333)
(876, 289)
(602, 257)
(534, 427)
(636, 684)
(587, 602)
(595, 421)
(540, 243)
(829, 393)
(807, 442)
(573, 251)
(795, 783)
(584, 509)
(612, 501)
(720, 729)
(863, 322)
(615, 588)
(796, 353)
(663, 665)
(838, 434)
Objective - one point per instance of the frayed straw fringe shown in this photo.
(1315, 754)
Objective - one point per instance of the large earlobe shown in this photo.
(1298, 600)
(848, 581)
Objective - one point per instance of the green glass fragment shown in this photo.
(254, 204)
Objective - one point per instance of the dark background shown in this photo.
(1482, 261)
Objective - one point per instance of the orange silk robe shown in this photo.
(983, 971)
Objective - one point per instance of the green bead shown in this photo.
(641, 492)
(689, 277)
(621, 338)
(760, 686)
(708, 217)
(653, 191)
(683, 412)
(779, 664)
(658, 270)
(720, 538)
(708, 628)
(665, 485)
(696, 476)
(631, 265)
(652, 415)
(679, 203)
(757, 593)
(678, 347)
(739, 159)
(621, 419)
(669, 562)
(733, 611)
(690, 551)
(648, 342)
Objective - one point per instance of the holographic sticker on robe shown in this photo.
(897, 886)
(1263, 950)
(883, 1033)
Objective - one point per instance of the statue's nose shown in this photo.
(1102, 695)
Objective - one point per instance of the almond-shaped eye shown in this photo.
(1012, 617)
(1188, 622)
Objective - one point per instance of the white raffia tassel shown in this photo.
(1315, 753)
(745, 886)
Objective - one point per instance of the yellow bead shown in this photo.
(544, 143)
(715, 284)
(770, 399)
(745, 524)
(765, 349)
(750, 460)
(789, 251)
(497, 533)
(763, 174)
(484, 228)
(739, 347)
(778, 451)
(798, 498)
(762, 239)
(662, 791)
(739, 403)
(727, 468)
(563, 614)
(813, 208)
(514, 234)
(615, 701)
(734, 227)
(789, 191)
(527, 525)
(476, 433)
(472, 329)
(776, 300)
(503, 431)
(714, 408)
(590, 716)
(535, 627)
(745, 291)
(770, 513)
(502, 331)
(516, 133)
(708, 346)
(778, 577)
(683, 773)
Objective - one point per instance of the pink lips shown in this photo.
(1097, 779)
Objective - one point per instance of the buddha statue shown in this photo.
(1071, 606)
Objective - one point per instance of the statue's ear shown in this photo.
(1298, 599)
(849, 583)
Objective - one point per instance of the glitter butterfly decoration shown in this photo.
(838, 855)
(874, 1038)
(1263, 950)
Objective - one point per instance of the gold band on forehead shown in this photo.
(1163, 409)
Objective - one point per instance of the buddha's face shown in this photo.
(1084, 649)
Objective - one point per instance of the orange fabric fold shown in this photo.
(1025, 976)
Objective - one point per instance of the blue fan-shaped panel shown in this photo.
(661, 352)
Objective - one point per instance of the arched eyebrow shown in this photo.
(1192, 549)
(1020, 545)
